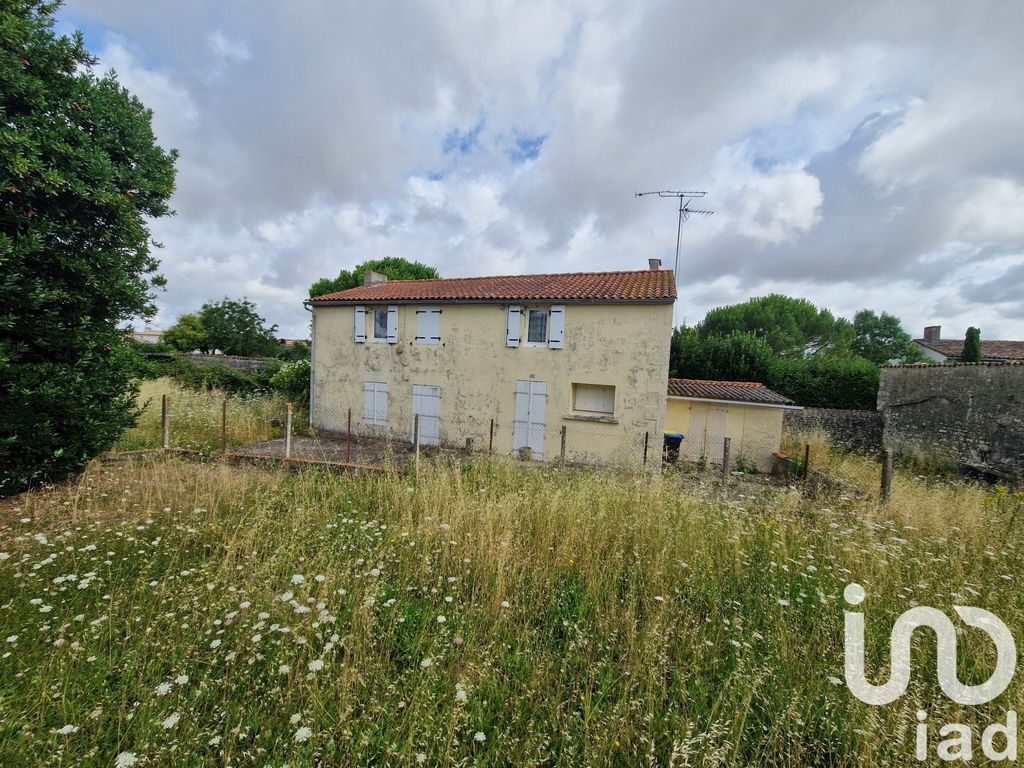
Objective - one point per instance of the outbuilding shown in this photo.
(706, 412)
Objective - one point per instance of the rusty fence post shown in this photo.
(647, 441)
(348, 439)
(165, 421)
(562, 447)
(886, 489)
(490, 440)
(726, 458)
(288, 432)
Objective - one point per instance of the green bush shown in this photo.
(292, 381)
(820, 381)
(221, 377)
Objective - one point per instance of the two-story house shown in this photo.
(505, 362)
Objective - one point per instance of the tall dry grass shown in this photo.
(485, 614)
(195, 421)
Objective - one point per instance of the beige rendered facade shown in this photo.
(597, 369)
(755, 430)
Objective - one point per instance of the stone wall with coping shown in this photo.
(971, 414)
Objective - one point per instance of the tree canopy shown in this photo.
(80, 177)
(231, 326)
(392, 267)
(790, 326)
(881, 339)
(797, 349)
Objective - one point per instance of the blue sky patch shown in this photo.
(526, 148)
(463, 142)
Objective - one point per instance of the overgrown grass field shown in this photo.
(164, 612)
(195, 418)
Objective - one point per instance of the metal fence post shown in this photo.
(807, 459)
(726, 457)
(886, 491)
(562, 451)
(288, 432)
(416, 442)
(165, 421)
(224, 425)
(647, 440)
(348, 439)
(490, 439)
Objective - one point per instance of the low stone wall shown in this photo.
(235, 363)
(971, 414)
(857, 430)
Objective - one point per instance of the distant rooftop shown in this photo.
(992, 350)
(639, 286)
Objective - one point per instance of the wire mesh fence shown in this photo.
(366, 434)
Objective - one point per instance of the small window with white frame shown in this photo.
(537, 327)
(380, 323)
(594, 398)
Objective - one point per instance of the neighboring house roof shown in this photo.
(991, 349)
(641, 286)
(737, 391)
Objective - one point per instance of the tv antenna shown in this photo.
(685, 211)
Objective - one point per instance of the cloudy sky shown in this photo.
(862, 154)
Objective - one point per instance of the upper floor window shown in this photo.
(428, 325)
(380, 324)
(537, 327)
(545, 326)
(383, 321)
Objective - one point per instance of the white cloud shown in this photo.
(858, 155)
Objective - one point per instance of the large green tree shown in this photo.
(188, 334)
(790, 326)
(881, 338)
(392, 267)
(80, 176)
(236, 328)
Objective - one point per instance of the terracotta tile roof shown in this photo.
(648, 285)
(738, 391)
(991, 349)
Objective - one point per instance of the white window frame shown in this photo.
(547, 326)
(374, 311)
(575, 398)
(390, 324)
(428, 325)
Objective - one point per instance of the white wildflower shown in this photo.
(171, 721)
(181, 679)
(298, 578)
(163, 689)
(479, 736)
(125, 760)
(303, 734)
(316, 665)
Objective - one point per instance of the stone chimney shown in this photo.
(654, 264)
(373, 278)
(932, 332)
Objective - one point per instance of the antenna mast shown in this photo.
(684, 213)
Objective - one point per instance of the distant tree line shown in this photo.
(795, 348)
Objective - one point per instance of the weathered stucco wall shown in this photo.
(970, 414)
(860, 430)
(626, 346)
(755, 432)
